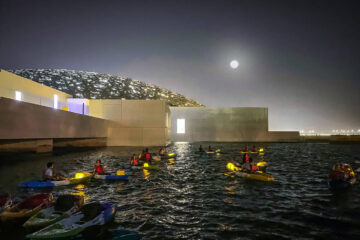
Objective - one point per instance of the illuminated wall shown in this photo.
(78, 105)
(30, 91)
(219, 124)
(245, 124)
(21, 120)
(134, 122)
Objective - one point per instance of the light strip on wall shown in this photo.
(180, 125)
(55, 101)
(18, 95)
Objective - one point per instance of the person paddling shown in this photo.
(210, 149)
(162, 152)
(246, 158)
(147, 156)
(246, 149)
(99, 169)
(49, 173)
(254, 149)
(134, 161)
(201, 149)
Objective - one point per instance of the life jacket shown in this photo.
(147, 156)
(134, 162)
(99, 169)
(247, 159)
(253, 167)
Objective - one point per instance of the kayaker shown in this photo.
(201, 149)
(147, 156)
(246, 158)
(246, 148)
(254, 149)
(134, 161)
(162, 152)
(254, 166)
(49, 173)
(210, 149)
(142, 155)
(99, 169)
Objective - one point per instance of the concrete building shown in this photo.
(193, 124)
(37, 117)
(22, 89)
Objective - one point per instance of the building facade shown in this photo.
(245, 124)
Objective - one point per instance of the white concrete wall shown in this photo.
(220, 124)
(133, 122)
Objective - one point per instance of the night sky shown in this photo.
(299, 58)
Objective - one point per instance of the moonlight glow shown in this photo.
(234, 64)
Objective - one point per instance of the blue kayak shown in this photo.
(44, 184)
(112, 177)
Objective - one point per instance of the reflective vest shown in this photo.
(147, 156)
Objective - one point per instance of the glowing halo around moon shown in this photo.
(234, 64)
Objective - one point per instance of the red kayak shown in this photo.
(27, 208)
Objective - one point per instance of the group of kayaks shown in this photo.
(259, 174)
(66, 217)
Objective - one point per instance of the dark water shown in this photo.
(193, 198)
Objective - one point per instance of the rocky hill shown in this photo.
(93, 85)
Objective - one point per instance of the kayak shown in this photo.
(166, 156)
(64, 206)
(111, 177)
(257, 175)
(340, 185)
(92, 214)
(78, 178)
(27, 208)
(150, 167)
(5, 202)
(132, 167)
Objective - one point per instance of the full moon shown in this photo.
(234, 64)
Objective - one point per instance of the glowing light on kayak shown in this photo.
(79, 175)
(80, 187)
(261, 164)
(146, 164)
(120, 172)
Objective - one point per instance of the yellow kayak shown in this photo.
(258, 175)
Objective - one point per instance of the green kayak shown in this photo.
(64, 206)
(95, 215)
(151, 167)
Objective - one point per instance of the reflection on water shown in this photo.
(146, 174)
(193, 196)
(81, 191)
